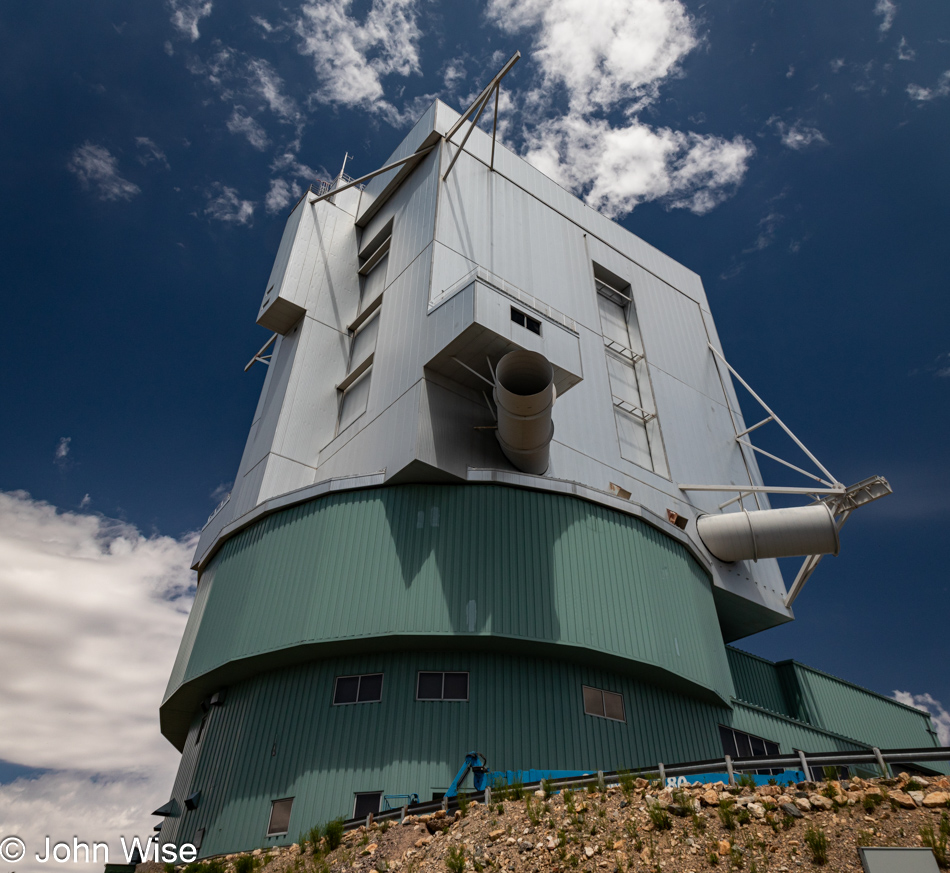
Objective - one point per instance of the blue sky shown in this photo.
(794, 155)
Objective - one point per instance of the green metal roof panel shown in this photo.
(789, 734)
(456, 562)
(757, 681)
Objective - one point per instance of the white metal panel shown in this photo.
(448, 267)
(333, 287)
(354, 401)
(282, 475)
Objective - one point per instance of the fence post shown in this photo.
(732, 776)
(601, 785)
(488, 797)
(662, 770)
(405, 812)
(805, 768)
(445, 803)
(369, 820)
(880, 762)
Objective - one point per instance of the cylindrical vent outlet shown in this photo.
(524, 395)
(770, 533)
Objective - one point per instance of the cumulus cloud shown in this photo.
(923, 95)
(150, 153)
(265, 82)
(927, 703)
(904, 51)
(797, 135)
(609, 59)
(97, 169)
(280, 195)
(242, 123)
(887, 10)
(187, 13)
(93, 615)
(225, 205)
(351, 57)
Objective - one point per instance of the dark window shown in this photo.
(737, 744)
(358, 689)
(442, 686)
(198, 838)
(279, 816)
(526, 321)
(366, 803)
(603, 704)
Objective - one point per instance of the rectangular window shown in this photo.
(374, 257)
(198, 838)
(279, 816)
(202, 726)
(526, 321)
(603, 704)
(738, 744)
(354, 400)
(366, 802)
(634, 408)
(365, 688)
(442, 686)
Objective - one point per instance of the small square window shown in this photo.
(279, 816)
(430, 686)
(367, 688)
(455, 686)
(603, 704)
(366, 802)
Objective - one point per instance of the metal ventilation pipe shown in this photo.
(770, 533)
(524, 394)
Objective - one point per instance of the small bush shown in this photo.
(829, 791)
(937, 843)
(245, 864)
(817, 844)
(455, 859)
(745, 780)
(516, 790)
(788, 822)
(568, 796)
(627, 780)
(736, 858)
(913, 785)
(547, 788)
(659, 817)
(726, 815)
(333, 833)
(533, 811)
(864, 838)
(699, 822)
(743, 816)
(713, 858)
(463, 801)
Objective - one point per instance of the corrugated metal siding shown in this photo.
(757, 681)
(410, 559)
(789, 734)
(522, 712)
(856, 712)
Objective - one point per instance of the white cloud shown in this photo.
(612, 57)
(922, 95)
(242, 123)
(149, 152)
(93, 615)
(96, 167)
(351, 58)
(85, 502)
(927, 703)
(61, 452)
(797, 135)
(836, 64)
(453, 73)
(905, 52)
(768, 227)
(269, 86)
(280, 195)
(887, 9)
(225, 205)
(187, 13)
(263, 24)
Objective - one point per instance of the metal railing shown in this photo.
(323, 185)
(807, 763)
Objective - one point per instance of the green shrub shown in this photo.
(245, 864)
(660, 817)
(743, 816)
(727, 815)
(463, 801)
(516, 790)
(745, 780)
(713, 858)
(547, 788)
(333, 833)
(938, 842)
(455, 859)
(627, 780)
(817, 843)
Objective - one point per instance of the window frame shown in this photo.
(270, 820)
(443, 699)
(529, 323)
(377, 794)
(603, 700)
(762, 771)
(360, 677)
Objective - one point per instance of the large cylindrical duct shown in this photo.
(770, 533)
(524, 395)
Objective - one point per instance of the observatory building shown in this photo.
(470, 515)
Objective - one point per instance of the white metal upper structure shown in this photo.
(393, 302)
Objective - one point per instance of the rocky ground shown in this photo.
(636, 827)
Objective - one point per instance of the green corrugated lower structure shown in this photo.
(534, 595)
